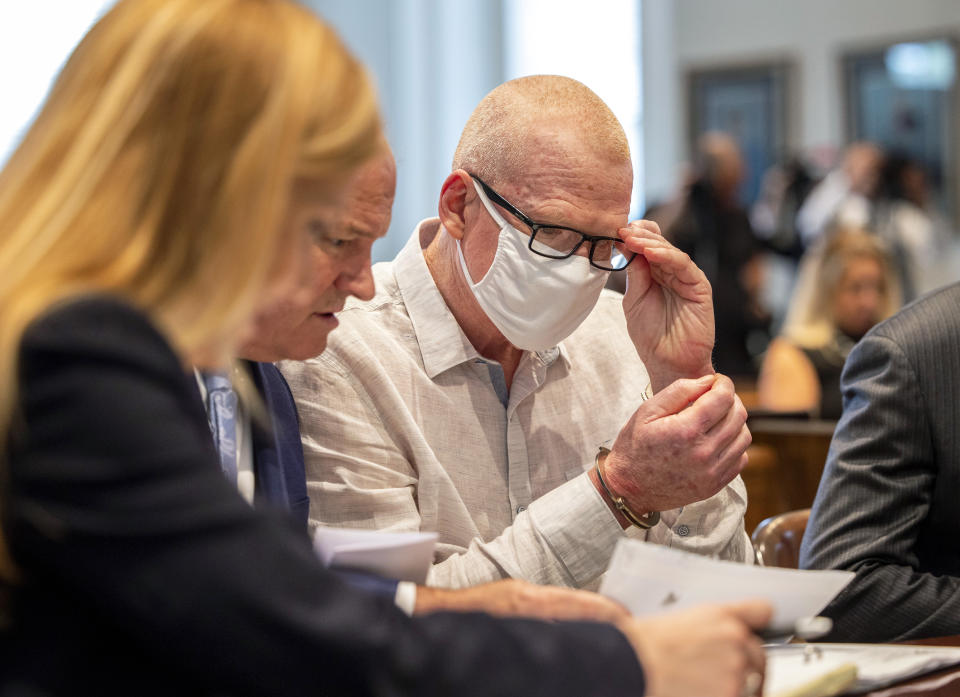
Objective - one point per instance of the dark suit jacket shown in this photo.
(146, 573)
(278, 464)
(277, 454)
(888, 506)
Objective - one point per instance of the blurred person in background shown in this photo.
(904, 217)
(887, 194)
(783, 191)
(785, 187)
(844, 197)
(848, 285)
(159, 199)
(714, 229)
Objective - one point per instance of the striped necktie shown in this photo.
(222, 414)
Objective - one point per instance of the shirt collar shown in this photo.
(443, 344)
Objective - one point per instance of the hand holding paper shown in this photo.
(648, 579)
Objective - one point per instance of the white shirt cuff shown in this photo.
(406, 597)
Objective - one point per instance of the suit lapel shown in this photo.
(277, 452)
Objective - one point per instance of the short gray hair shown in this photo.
(498, 135)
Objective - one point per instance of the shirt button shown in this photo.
(549, 356)
(521, 509)
(683, 530)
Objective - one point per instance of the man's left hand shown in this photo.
(668, 306)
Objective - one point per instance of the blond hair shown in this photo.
(160, 164)
(810, 322)
(502, 132)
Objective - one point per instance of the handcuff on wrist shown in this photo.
(645, 521)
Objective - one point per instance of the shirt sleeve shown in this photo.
(712, 527)
(116, 500)
(873, 501)
(565, 538)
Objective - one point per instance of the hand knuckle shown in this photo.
(740, 633)
(741, 412)
(702, 422)
(685, 432)
(701, 454)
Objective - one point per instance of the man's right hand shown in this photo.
(707, 650)
(683, 445)
(515, 598)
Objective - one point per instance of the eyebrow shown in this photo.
(359, 231)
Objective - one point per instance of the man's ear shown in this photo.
(455, 194)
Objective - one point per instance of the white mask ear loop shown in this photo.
(463, 266)
(497, 218)
(491, 209)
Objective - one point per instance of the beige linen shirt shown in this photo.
(406, 427)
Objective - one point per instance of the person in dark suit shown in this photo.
(162, 196)
(277, 453)
(263, 455)
(887, 503)
(281, 482)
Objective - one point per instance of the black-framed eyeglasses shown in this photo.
(559, 242)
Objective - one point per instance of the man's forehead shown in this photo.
(592, 186)
(319, 193)
(374, 179)
(560, 163)
(366, 211)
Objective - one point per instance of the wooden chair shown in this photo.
(776, 541)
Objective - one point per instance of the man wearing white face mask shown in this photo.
(537, 304)
(476, 395)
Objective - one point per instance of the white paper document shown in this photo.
(649, 578)
(404, 556)
(791, 666)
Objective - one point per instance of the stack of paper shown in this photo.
(791, 667)
(649, 578)
(404, 556)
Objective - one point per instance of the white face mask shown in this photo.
(534, 301)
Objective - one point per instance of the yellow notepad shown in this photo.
(832, 681)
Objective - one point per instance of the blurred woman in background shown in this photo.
(848, 286)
